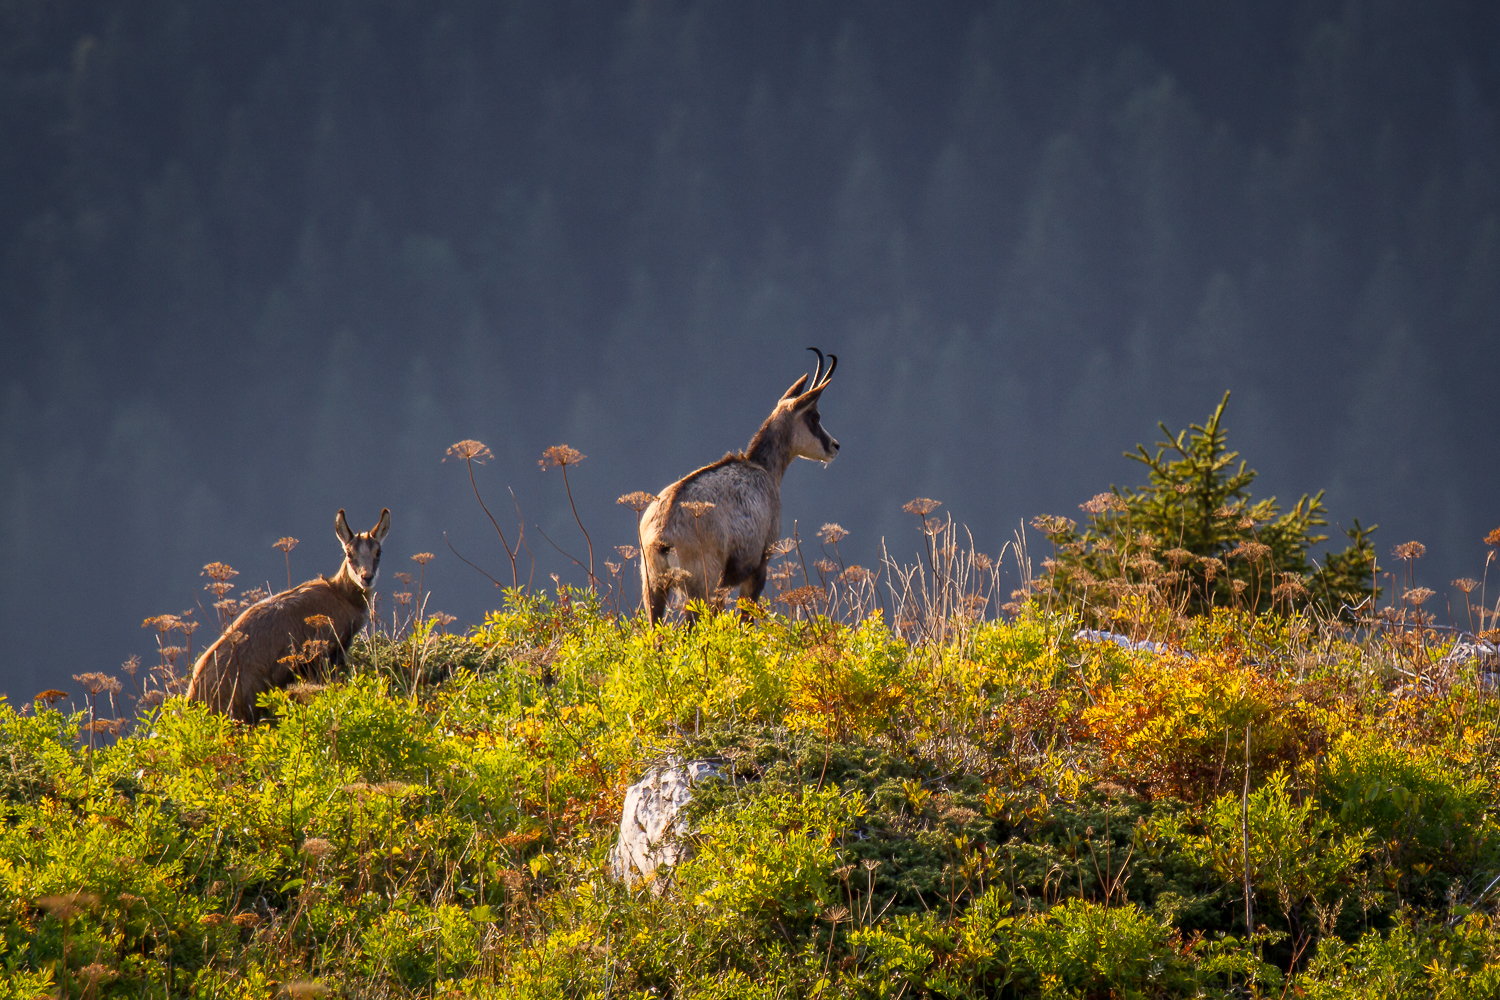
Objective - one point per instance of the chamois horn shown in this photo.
(819, 373)
(833, 362)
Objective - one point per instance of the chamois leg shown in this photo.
(656, 582)
(753, 585)
(696, 587)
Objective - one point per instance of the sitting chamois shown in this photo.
(259, 651)
(718, 524)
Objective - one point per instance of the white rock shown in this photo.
(652, 827)
(1123, 641)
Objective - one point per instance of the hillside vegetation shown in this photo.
(1267, 778)
(1007, 812)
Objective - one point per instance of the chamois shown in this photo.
(258, 650)
(715, 527)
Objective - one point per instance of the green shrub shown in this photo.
(1193, 535)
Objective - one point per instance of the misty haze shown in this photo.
(263, 261)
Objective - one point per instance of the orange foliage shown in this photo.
(1176, 725)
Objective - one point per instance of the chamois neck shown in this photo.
(771, 448)
(347, 583)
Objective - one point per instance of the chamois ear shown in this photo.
(341, 527)
(809, 398)
(796, 388)
(383, 526)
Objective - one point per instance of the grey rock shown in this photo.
(653, 830)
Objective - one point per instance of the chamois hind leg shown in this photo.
(754, 584)
(696, 586)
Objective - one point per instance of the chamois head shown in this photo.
(796, 414)
(362, 551)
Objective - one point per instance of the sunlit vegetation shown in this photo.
(1012, 812)
(927, 786)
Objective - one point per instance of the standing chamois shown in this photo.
(260, 650)
(715, 527)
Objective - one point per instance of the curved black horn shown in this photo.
(819, 373)
(833, 362)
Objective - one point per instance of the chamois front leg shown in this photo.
(656, 583)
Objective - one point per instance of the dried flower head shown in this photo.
(870, 864)
(826, 566)
(627, 552)
(150, 700)
(131, 665)
(303, 694)
(560, 456)
(637, 501)
(803, 597)
(403, 598)
(1291, 588)
(1467, 585)
(286, 544)
(697, 508)
(1227, 511)
(219, 571)
(441, 619)
(1182, 488)
(317, 847)
(921, 506)
(312, 649)
(1102, 502)
(95, 683)
(1493, 538)
(246, 921)
(612, 567)
(1238, 586)
(423, 558)
(1245, 523)
(96, 973)
(784, 546)
(469, 450)
(1418, 595)
(857, 574)
(319, 621)
(836, 914)
(832, 534)
(1409, 550)
(162, 623)
(1212, 568)
(1179, 555)
(1053, 524)
(1252, 551)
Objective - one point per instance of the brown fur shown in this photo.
(730, 543)
(246, 660)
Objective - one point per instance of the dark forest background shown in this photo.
(260, 261)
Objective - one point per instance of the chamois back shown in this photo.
(714, 528)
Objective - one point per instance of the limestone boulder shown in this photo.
(652, 825)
